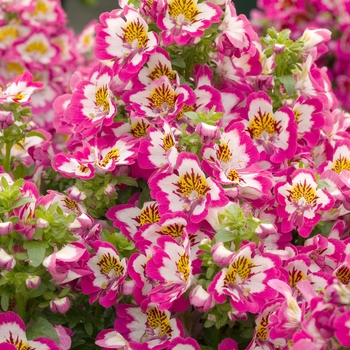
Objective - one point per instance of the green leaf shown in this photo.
(35, 133)
(88, 328)
(5, 299)
(4, 183)
(42, 328)
(224, 236)
(36, 251)
(22, 202)
(288, 82)
(178, 62)
(126, 180)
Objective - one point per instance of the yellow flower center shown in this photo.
(233, 175)
(295, 276)
(149, 215)
(168, 142)
(261, 331)
(303, 190)
(159, 319)
(40, 7)
(19, 96)
(18, 343)
(162, 97)
(136, 32)
(340, 164)
(139, 129)
(112, 154)
(84, 169)
(192, 186)
(185, 8)
(87, 40)
(174, 230)
(183, 266)
(107, 263)
(260, 123)
(102, 100)
(241, 267)
(223, 152)
(14, 67)
(160, 70)
(71, 204)
(37, 46)
(297, 115)
(8, 31)
(343, 274)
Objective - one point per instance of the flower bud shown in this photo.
(75, 194)
(201, 299)
(6, 119)
(60, 305)
(109, 189)
(41, 223)
(7, 261)
(220, 254)
(33, 282)
(278, 48)
(5, 228)
(208, 132)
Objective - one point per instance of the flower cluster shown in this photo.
(204, 185)
(302, 17)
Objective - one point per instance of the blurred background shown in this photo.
(81, 12)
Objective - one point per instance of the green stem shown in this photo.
(21, 307)
(6, 164)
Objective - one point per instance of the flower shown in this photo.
(13, 331)
(301, 202)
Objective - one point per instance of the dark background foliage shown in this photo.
(80, 12)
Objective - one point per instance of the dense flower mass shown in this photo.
(168, 180)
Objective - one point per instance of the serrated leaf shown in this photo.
(42, 328)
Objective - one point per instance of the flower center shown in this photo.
(139, 129)
(261, 331)
(71, 204)
(112, 154)
(37, 46)
(160, 70)
(8, 31)
(168, 142)
(185, 9)
(163, 98)
(149, 215)
(136, 34)
(192, 186)
(101, 96)
(343, 274)
(340, 164)
(303, 190)
(295, 276)
(223, 152)
(183, 266)
(242, 266)
(263, 122)
(174, 230)
(107, 263)
(82, 168)
(297, 115)
(233, 175)
(18, 343)
(158, 319)
(14, 67)
(40, 7)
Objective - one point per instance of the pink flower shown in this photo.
(342, 328)
(148, 329)
(123, 36)
(20, 89)
(187, 189)
(301, 201)
(13, 331)
(92, 104)
(187, 19)
(109, 272)
(244, 281)
(61, 305)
